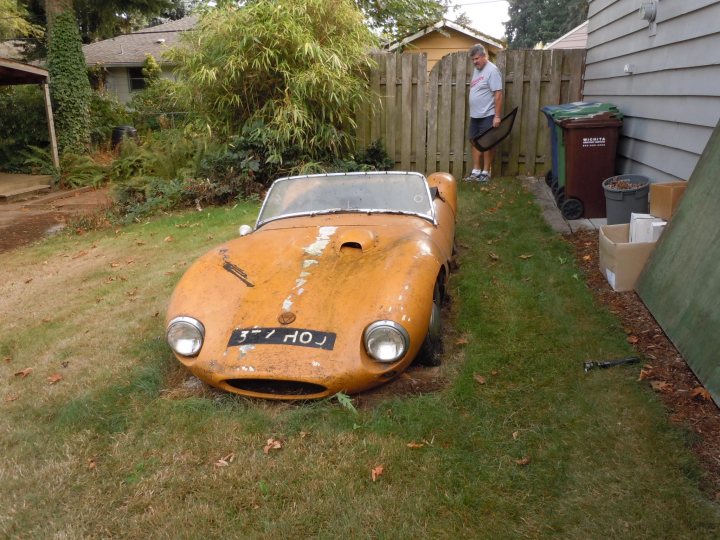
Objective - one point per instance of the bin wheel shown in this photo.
(571, 208)
(560, 195)
(549, 178)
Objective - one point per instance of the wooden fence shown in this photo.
(423, 119)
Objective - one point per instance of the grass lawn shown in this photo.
(121, 447)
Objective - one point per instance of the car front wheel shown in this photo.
(431, 349)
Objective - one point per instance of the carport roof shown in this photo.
(17, 73)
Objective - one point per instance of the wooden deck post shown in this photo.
(51, 124)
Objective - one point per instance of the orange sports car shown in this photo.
(338, 288)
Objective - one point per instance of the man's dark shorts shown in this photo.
(478, 126)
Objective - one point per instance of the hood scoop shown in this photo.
(356, 239)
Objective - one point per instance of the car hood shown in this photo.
(321, 283)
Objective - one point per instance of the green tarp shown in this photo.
(680, 285)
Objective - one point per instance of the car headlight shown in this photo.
(185, 336)
(386, 341)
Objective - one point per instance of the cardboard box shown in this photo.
(645, 228)
(664, 198)
(620, 261)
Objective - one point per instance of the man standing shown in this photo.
(485, 101)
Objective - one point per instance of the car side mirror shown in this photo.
(245, 230)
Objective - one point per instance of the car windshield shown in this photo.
(391, 192)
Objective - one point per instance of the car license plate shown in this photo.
(301, 337)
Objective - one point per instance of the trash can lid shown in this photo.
(598, 120)
(580, 109)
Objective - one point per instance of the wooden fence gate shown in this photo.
(422, 117)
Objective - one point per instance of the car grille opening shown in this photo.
(276, 388)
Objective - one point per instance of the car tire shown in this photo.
(431, 349)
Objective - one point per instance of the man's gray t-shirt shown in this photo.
(483, 85)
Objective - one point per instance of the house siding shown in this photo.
(117, 82)
(670, 90)
(436, 45)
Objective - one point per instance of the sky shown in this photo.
(487, 16)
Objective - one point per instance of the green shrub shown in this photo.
(106, 112)
(142, 196)
(297, 70)
(161, 105)
(76, 170)
(22, 124)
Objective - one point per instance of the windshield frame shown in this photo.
(431, 217)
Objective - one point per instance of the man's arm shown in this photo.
(498, 108)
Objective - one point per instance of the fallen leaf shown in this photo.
(701, 392)
(494, 372)
(132, 292)
(46, 320)
(523, 461)
(377, 472)
(225, 461)
(515, 435)
(55, 378)
(65, 363)
(11, 397)
(24, 372)
(92, 464)
(660, 386)
(645, 374)
(168, 239)
(7, 359)
(587, 258)
(632, 339)
(479, 378)
(114, 264)
(414, 444)
(494, 256)
(525, 257)
(272, 444)
(461, 341)
(80, 254)
(303, 434)
(140, 243)
(28, 280)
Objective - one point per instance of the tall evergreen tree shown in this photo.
(542, 21)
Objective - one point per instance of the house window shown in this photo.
(137, 80)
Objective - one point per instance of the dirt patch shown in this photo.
(665, 370)
(27, 229)
(24, 222)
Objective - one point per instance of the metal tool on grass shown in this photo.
(609, 363)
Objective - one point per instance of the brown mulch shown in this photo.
(688, 403)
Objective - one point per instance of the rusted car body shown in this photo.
(337, 288)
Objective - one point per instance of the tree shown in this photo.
(14, 21)
(397, 18)
(542, 21)
(292, 70)
(69, 83)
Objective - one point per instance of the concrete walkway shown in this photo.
(546, 201)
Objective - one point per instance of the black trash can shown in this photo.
(122, 132)
(625, 194)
